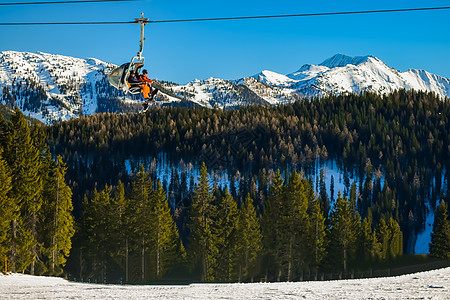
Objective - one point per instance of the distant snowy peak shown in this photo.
(272, 78)
(341, 60)
(308, 72)
(345, 74)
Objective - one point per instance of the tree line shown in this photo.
(135, 236)
(36, 223)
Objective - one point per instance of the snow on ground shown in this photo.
(426, 285)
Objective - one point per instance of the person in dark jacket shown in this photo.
(132, 78)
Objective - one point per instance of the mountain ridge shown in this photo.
(53, 87)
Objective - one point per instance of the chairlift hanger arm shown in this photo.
(142, 21)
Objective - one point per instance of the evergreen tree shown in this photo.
(82, 237)
(99, 232)
(166, 243)
(249, 237)
(203, 246)
(317, 236)
(383, 234)
(41, 217)
(142, 214)
(226, 231)
(332, 189)
(6, 209)
(323, 194)
(343, 232)
(353, 197)
(120, 228)
(346, 183)
(440, 238)
(58, 218)
(23, 160)
(271, 225)
(395, 239)
(295, 223)
(369, 245)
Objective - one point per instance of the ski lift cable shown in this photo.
(62, 2)
(233, 18)
(67, 23)
(307, 14)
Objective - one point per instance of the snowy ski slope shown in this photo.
(426, 285)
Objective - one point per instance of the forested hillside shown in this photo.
(147, 208)
(396, 146)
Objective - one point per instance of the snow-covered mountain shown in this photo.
(50, 87)
(55, 87)
(344, 74)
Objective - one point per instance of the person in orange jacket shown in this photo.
(148, 91)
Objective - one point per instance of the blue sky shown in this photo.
(181, 52)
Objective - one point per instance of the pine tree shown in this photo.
(142, 211)
(295, 223)
(383, 234)
(353, 197)
(395, 239)
(440, 238)
(6, 209)
(346, 183)
(203, 248)
(226, 233)
(23, 160)
(332, 189)
(370, 247)
(271, 225)
(98, 232)
(317, 236)
(323, 194)
(120, 228)
(82, 237)
(249, 237)
(58, 217)
(343, 232)
(43, 223)
(166, 243)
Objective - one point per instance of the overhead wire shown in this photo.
(229, 18)
(62, 2)
(306, 14)
(67, 23)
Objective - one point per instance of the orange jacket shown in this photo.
(144, 78)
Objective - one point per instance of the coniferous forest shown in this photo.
(37, 224)
(243, 196)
